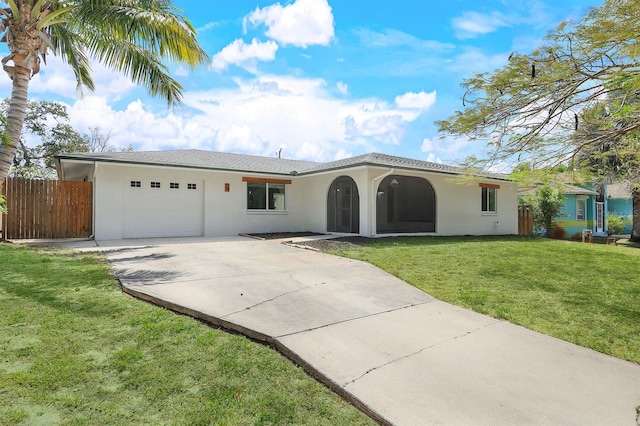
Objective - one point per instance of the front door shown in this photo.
(343, 206)
(599, 217)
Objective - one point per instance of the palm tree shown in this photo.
(128, 36)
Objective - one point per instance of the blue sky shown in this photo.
(321, 79)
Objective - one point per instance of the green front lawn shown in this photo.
(74, 349)
(588, 294)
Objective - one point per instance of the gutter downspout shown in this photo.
(374, 204)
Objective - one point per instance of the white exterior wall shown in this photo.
(314, 193)
(225, 213)
(458, 210)
(458, 204)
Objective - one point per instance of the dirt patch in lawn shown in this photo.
(337, 243)
(280, 235)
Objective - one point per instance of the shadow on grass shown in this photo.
(60, 279)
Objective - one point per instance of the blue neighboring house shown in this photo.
(619, 202)
(584, 208)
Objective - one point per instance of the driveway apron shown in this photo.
(397, 353)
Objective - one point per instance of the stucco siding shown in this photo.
(458, 204)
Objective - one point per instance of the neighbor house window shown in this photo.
(135, 184)
(581, 207)
(191, 186)
(155, 184)
(266, 194)
(489, 197)
(174, 185)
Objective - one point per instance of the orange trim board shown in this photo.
(266, 180)
(489, 185)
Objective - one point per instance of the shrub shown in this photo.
(559, 233)
(616, 223)
(547, 203)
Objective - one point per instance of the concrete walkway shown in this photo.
(397, 353)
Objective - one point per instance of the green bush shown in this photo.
(616, 223)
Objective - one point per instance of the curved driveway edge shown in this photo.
(393, 351)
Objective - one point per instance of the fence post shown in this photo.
(3, 216)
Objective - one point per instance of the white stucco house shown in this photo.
(203, 193)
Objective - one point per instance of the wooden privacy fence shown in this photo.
(525, 220)
(47, 209)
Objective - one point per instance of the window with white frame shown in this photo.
(265, 196)
(489, 198)
(581, 208)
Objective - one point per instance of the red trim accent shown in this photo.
(489, 185)
(266, 180)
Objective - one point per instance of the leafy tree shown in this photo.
(129, 36)
(47, 123)
(575, 95)
(547, 204)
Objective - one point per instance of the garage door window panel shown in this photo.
(161, 208)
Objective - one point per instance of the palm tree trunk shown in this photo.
(15, 119)
(635, 231)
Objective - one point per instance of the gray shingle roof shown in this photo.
(193, 158)
(620, 190)
(565, 188)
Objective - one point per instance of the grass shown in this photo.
(588, 294)
(74, 350)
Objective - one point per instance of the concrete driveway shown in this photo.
(397, 353)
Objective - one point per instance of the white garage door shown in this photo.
(163, 208)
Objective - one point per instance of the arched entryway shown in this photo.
(343, 206)
(405, 204)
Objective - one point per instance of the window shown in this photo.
(174, 185)
(581, 207)
(489, 204)
(265, 196)
(191, 186)
(155, 184)
(135, 184)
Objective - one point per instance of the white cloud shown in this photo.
(302, 23)
(258, 116)
(206, 27)
(421, 100)
(56, 79)
(471, 24)
(244, 55)
(342, 154)
(433, 158)
(448, 144)
(473, 60)
(533, 13)
(342, 87)
(181, 71)
(394, 38)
